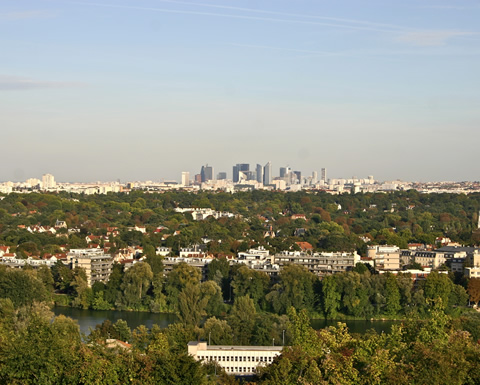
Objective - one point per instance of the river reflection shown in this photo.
(88, 319)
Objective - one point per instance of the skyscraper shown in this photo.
(48, 181)
(298, 176)
(221, 175)
(267, 174)
(185, 178)
(240, 167)
(259, 173)
(324, 174)
(314, 177)
(206, 173)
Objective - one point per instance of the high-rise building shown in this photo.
(324, 174)
(48, 181)
(314, 177)
(221, 175)
(240, 167)
(206, 173)
(284, 171)
(259, 173)
(185, 178)
(267, 174)
(298, 176)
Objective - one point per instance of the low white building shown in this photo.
(237, 360)
(163, 251)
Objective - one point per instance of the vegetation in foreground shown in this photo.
(36, 350)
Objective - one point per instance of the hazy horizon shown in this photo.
(146, 89)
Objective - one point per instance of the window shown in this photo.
(236, 358)
(228, 358)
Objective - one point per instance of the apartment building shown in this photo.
(97, 264)
(318, 263)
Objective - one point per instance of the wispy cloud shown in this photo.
(296, 19)
(431, 38)
(24, 15)
(15, 83)
(294, 15)
(413, 36)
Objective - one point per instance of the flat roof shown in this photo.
(238, 348)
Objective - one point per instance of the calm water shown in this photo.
(357, 326)
(88, 319)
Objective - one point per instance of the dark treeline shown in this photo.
(359, 293)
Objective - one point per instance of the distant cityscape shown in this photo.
(243, 178)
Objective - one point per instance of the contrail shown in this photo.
(226, 15)
(253, 10)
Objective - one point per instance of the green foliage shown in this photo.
(22, 287)
(242, 320)
(136, 282)
(331, 296)
(295, 288)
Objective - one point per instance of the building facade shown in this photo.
(97, 264)
(237, 360)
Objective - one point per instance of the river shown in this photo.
(88, 319)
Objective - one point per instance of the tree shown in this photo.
(303, 335)
(181, 275)
(473, 290)
(242, 320)
(136, 283)
(155, 261)
(22, 287)
(295, 288)
(437, 288)
(83, 293)
(392, 295)
(213, 293)
(217, 332)
(249, 282)
(331, 297)
(191, 305)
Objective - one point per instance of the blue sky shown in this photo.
(146, 89)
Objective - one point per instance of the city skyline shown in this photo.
(147, 89)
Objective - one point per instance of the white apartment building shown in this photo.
(97, 264)
(318, 263)
(237, 360)
(474, 270)
(386, 257)
(185, 178)
(48, 181)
